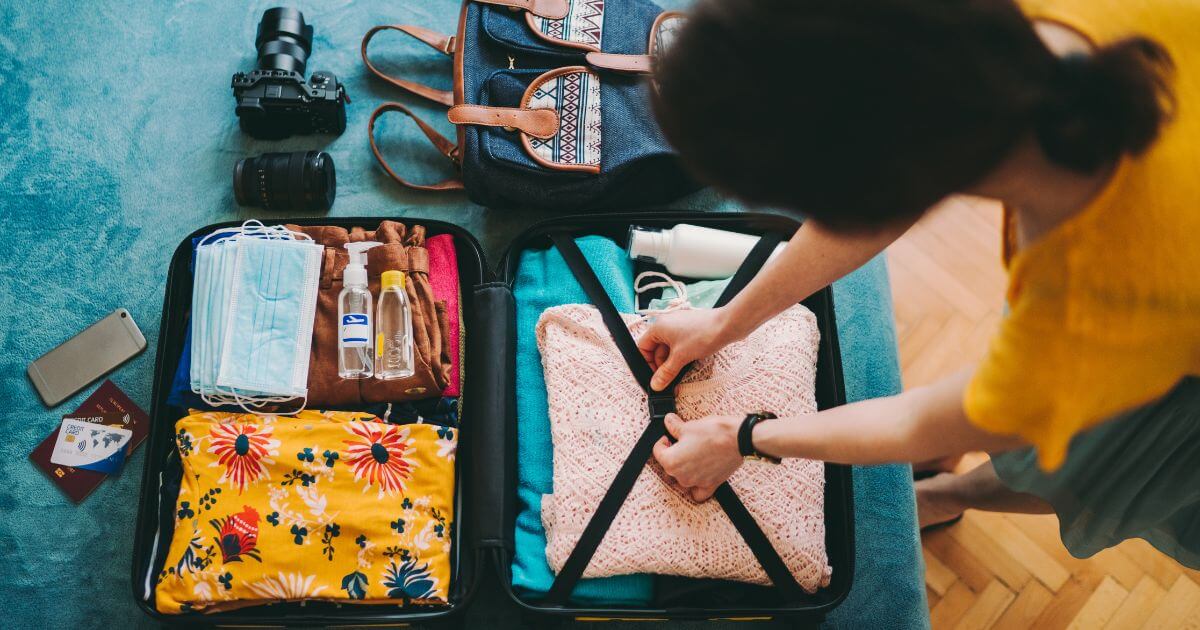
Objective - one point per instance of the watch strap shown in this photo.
(745, 436)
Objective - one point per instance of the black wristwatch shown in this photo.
(745, 437)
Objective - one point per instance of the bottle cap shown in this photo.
(647, 244)
(392, 279)
(355, 274)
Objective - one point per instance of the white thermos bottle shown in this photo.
(692, 251)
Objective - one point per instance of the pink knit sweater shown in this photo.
(597, 412)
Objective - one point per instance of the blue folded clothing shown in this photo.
(181, 394)
(544, 280)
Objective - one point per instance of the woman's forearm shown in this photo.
(813, 258)
(917, 425)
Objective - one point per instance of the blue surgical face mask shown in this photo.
(201, 279)
(272, 303)
(210, 298)
(254, 300)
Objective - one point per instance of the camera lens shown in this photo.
(284, 41)
(303, 180)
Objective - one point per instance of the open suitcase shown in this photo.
(486, 478)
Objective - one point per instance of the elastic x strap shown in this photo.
(661, 403)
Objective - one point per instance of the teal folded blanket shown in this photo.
(543, 280)
(889, 572)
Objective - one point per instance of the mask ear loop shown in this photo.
(229, 234)
(259, 403)
(252, 404)
(256, 229)
(680, 301)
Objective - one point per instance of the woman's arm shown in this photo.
(813, 258)
(917, 425)
(920, 424)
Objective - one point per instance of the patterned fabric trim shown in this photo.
(575, 94)
(582, 28)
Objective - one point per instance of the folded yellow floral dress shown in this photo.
(334, 506)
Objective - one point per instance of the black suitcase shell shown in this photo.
(486, 479)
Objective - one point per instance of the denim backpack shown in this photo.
(551, 101)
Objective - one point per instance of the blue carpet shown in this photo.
(118, 138)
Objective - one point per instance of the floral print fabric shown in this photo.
(321, 505)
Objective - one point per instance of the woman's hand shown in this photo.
(677, 338)
(704, 455)
(813, 258)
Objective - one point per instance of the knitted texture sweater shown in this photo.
(597, 412)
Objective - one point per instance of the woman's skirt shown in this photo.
(1135, 476)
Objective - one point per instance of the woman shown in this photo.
(1083, 118)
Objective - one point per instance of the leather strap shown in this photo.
(637, 64)
(442, 43)
(549, 9)
(444, 146)
(660, 405)
(539, 123)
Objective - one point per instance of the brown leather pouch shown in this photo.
(403, 249)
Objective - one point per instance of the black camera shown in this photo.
(274, 101)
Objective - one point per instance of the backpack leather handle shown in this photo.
(549, 9)
(444, 146)
(539, 123)
(444, 44)
(636, 64)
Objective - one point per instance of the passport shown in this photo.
(108, 405)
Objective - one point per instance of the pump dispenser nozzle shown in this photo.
(355, 329)
(355, 274)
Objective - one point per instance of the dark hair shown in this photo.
(861, 112)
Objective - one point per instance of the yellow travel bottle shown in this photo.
(393, 321)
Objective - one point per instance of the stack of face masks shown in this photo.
(253, 303)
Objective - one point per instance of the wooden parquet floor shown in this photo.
(1008, 570)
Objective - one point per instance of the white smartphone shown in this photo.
(82, 359)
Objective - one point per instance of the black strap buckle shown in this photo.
(660, 405)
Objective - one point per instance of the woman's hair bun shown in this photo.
(1097, 107)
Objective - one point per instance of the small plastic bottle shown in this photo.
(393, 343)
(693, 251)
(355, 332)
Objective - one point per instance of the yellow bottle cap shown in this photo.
(392, 279)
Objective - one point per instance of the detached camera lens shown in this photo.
(284, 41)
(303, 180)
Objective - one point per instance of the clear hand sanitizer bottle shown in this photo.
(355, 332)
(394, 342)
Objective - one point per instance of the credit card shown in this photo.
(86, 443)
(107, 399)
